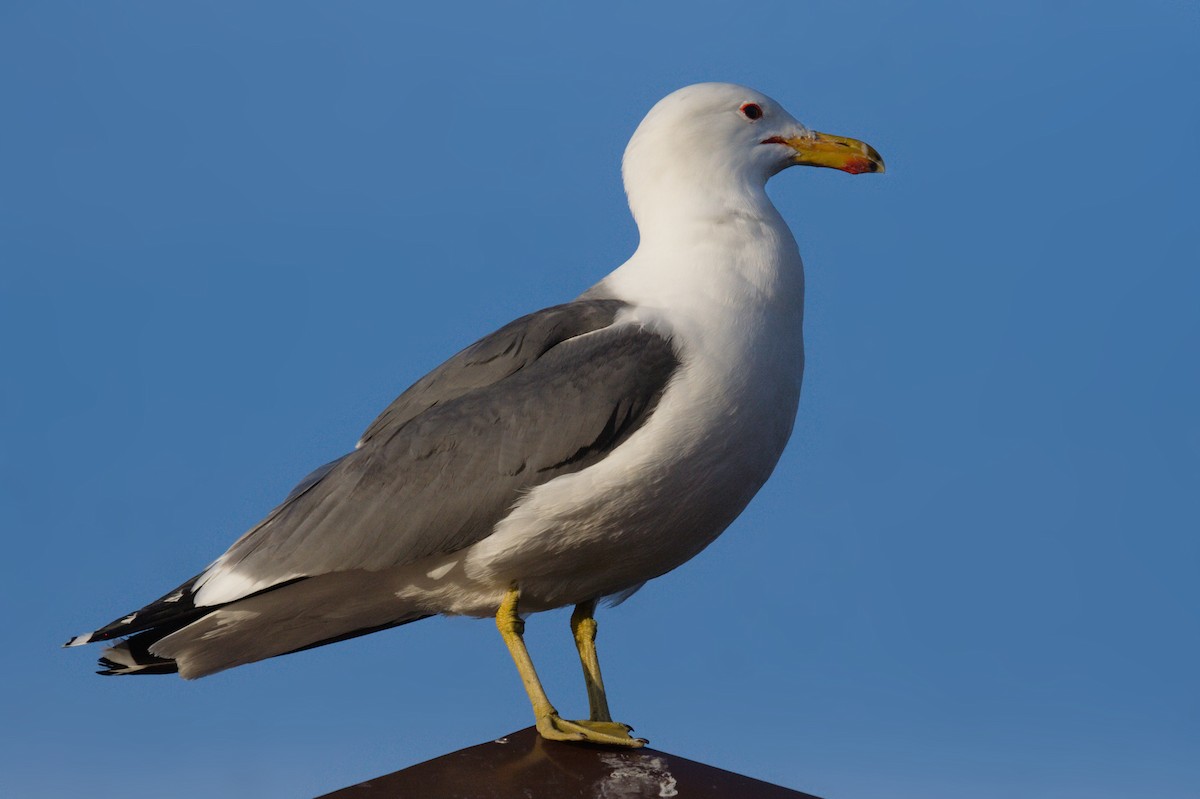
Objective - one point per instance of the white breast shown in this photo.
(711, 443)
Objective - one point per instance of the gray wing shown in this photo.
(547, 395)
(495, 357)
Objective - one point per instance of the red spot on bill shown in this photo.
(859, 165)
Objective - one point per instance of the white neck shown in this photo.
(710, 250)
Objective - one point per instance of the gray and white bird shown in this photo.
(566, 458)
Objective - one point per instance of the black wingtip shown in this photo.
(114, 669)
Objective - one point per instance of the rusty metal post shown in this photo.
(525, 766)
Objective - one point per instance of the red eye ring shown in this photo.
(752, 111)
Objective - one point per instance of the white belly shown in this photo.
(664, 494)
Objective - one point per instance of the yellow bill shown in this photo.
(835, 152)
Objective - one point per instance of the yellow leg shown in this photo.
(512, 628)
(583, 628)
(549, 724)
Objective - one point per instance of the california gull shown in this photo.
(566, 458)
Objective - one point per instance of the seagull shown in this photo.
(567, 458)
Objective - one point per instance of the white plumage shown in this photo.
(700, 329)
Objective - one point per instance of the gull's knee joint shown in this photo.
(584, 630)
(508, 621)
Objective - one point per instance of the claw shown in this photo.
(610, 733)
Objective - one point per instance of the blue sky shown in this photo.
(231, 233)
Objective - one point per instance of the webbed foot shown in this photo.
(608, 733)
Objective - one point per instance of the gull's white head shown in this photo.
(719, 139)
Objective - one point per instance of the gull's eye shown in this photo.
(752, 111)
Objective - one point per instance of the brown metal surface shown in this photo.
(526, 766)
